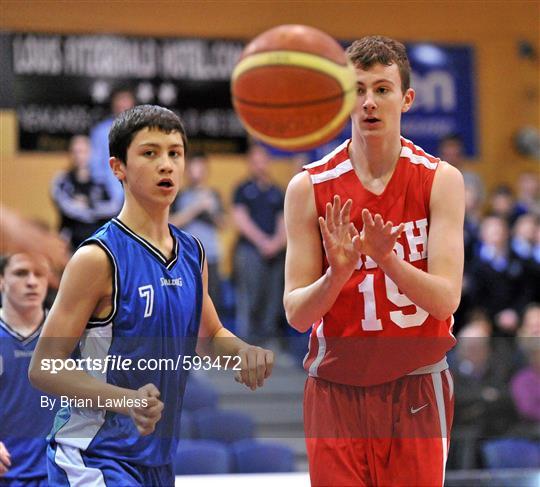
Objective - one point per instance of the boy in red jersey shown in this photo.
(378, 400)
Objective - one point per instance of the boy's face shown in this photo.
(380, 101)
(24, 283)
(154, 166)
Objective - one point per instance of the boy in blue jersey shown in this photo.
(135, 291)
(24, 425)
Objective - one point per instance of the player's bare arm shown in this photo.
(216, 341)
(85, 290)
(309, 293)
(437, 291)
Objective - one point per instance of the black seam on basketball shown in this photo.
(276, 63)
(292, 105)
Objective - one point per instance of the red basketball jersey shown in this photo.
(373, 333)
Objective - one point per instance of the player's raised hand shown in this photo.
(256, 364)
(337, 232)
(147, 415)
(5, 459)
(377, 238)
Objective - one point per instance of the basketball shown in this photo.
(293, 87)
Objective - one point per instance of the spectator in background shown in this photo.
(451, 150)
(525, 385)
(199, 211)
(528, 194)
(474, 201)
(482, 368)
(498, 279)
(501, 202)
(24, 423)
(523, 235)
(83, 203)
(122, 99)
(259, 257)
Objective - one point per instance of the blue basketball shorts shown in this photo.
(68, 466)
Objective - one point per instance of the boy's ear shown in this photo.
(408, 99)
(118, 168)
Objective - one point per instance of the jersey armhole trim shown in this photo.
(202, 253)
(94, 322)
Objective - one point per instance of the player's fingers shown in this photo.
(153, 410)
(269, 359)
(346, 212)
(150, 390)
(387, 228)
(378, 221)
(261, 367)
(244, 366)
(5, 457)
(353, 232)
(337, 210)
(398, 231)
(329, 220)
(367, 218)
(324, 229)
(252, 368)
(357, 244)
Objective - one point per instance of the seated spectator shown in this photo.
(199, 211)
(481, 368)
(528, 194)
(525, 385)
(523, 235)
(474, 199)
(83, 203)
(501, 202)
(499, 284)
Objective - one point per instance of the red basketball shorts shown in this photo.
(392, 434)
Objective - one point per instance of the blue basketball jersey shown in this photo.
(154, 323)
(24, 423)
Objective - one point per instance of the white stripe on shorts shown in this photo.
(69, 459)
(439, 396)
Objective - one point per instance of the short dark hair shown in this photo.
(128, 123)
(4, 261)
(371, 50)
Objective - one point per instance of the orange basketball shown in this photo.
(293, 87)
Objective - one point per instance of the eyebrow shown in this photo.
(376, 82)
(153, 144)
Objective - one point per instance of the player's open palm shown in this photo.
(337, 233)
(148, 414)
(378, 237)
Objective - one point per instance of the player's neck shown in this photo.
(150, 224)
(24, 321)
(374, 157)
